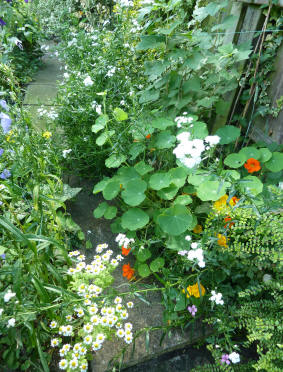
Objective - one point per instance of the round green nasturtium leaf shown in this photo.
(228, 134)
(110, 213)
(111, 190)
(143, 254)
(159, 181)
(180, 302)
(157, 264)
(134, 219)
(265, 154)
(198, 130)
(100, 141)
(127, 174)
(234, 160)
(134, 192)
(100, 185)
(250, 152)
(178, 176)
(162, 123)
(116, 226)
(211, 190)
(198, 178)
(275, 164)
(115, 160)
(230, 173)
(100, 123)
(175, 220)
(143, 270)
(142, 168)
(120, 115)
(183, 200)
(100, 210)
(168, 193)
(251, 185)
(164, 140)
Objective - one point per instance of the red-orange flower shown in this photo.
(125, 251)
(128, 271)
(234, 200)
(148, 136)
(252, 165)
(227, 219)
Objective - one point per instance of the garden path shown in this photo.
(148, 311)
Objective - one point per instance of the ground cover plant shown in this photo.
(199, 211)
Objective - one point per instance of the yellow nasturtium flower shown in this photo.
(193, 290)
(222, 240)
(197, 229)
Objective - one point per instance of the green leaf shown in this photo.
(159, 181)
(275, 164)
(143, 254)
(127, 174)
(115, 160)
(162, 123)
(100, 185)
(110, 213)
(251, 185)
(120, 115)
(178, 176)
(134, 192)
(88, 244)
(2, 249)
(100, 210)
(183, 200)
(134, 219)
(168, 193)
(210, 190)
(235, 160)
(100, 141)
(164, 140)
(100, 123)
(155, 68)
(149, 96)
(180, 302)
(157, 264)
(192, 85)
(194, 62)
(142, 168)
(111, 190)
(228, 134)
(198, 178)
(136, 149)
(230, 174)
(198, 130)
(41, 355)
(143, 270)
(175, 220)
(250, 152)
(151, 42)
(81, 235)
(265, 154)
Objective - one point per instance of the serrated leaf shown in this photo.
(100, 210)
(115, 160)
(157, 264)
(134, 219)
(151, 42)
(149, 96)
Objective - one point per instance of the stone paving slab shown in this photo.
(143, 314)
(41, 94)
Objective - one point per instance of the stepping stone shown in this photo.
(147, 313)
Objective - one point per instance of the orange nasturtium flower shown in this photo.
(148, 136)
(222, 240)
(125, 251)
(227, 219)
(193, 290)
(221, 204)
(252, 165)
(197, 229)
(128, 271)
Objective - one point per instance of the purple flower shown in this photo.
(192, 309)
(2, 23)
(3, 256)
(5, 122)
(4, 105)
(225, 359)
(1, 151)
(5, 174)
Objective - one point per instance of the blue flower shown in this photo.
(4, 105)
(1, 151)
(5, 174)
(3, 256)
(5, 122)
(2, 23)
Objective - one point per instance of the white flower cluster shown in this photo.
(66, 152)
(217, 298)
(194, 254)
(88, 82)
(122, 240)
(98, 108)
(8, 295)
(51, 113)
(234, 357)
(111, 71)
(180, 120)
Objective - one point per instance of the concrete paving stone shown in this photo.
(41, 94)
